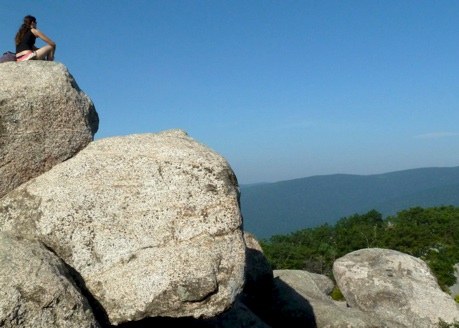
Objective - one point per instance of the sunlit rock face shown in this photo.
(395, 286)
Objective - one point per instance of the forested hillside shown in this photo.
(431, 234)
(287, 206)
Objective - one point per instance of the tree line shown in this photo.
(431, 234)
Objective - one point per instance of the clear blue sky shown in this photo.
(282, 89)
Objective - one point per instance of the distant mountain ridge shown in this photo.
(287, 206)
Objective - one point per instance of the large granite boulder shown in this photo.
(44, 119)
(36, 289)
(151, 223)
(395, 286)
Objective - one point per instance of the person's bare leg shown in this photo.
(47, 52)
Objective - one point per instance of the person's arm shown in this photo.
(42, 36)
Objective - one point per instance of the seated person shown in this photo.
(25, 42)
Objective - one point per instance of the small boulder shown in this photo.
(395, 286)
(325, 284)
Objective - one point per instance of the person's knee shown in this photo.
(43, 52)
(47, 49)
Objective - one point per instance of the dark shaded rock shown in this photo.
(36, 289)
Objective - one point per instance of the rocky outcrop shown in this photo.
(36, 289)
(44, 119)
(394, 286)
(150, 222)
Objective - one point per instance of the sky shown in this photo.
(283, 89)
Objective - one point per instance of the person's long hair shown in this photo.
(24, 28)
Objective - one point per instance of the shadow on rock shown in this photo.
(98, 310)
(159, 322)
(289, 309)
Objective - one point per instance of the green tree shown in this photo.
(359, 231)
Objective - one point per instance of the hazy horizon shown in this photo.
(343, 173)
